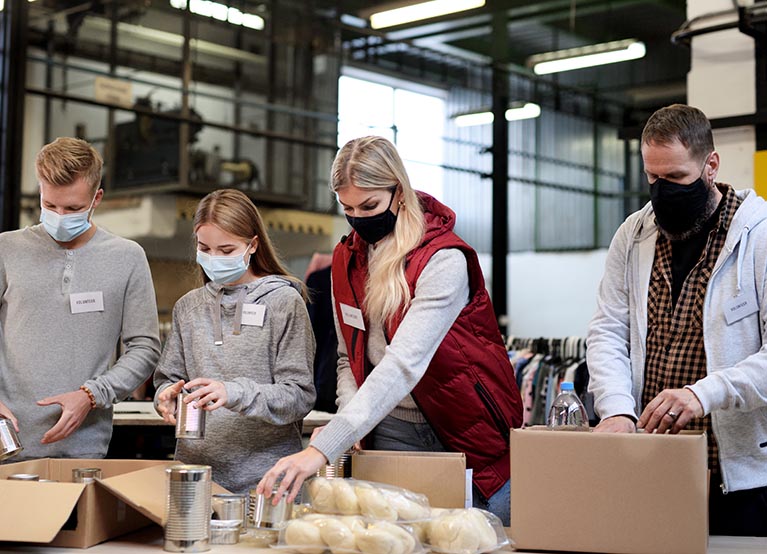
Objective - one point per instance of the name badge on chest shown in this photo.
(352, 316)
(739, 307)
(84, 302)
(253, 314)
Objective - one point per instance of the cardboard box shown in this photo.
(616, 493)
(441, 476)
(130, 495)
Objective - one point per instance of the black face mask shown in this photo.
(679, 207)
(375, 227)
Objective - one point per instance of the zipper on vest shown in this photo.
(355, 332)
(492, 407)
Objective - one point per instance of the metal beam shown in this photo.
(13, 52)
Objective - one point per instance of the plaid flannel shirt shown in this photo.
(676, 353)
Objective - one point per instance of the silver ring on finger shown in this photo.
(672, 414)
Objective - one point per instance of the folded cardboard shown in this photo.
(441, 476)
(615, 493)
(130, 495)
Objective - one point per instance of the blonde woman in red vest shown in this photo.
(422, 365)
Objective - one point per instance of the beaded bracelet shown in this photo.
(92, 398)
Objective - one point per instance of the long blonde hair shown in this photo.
(233, 212)
(373, 163)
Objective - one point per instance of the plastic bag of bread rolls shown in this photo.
(372, 500)
(470, 531)
(318, 533)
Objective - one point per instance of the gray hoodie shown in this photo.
(267, 371)
(734, 391)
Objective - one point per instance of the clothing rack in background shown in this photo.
(541, 365)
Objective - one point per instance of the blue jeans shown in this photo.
(396, 434)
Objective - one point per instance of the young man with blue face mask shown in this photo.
(69, 291)
(678, 338)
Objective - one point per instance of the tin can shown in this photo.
(187, 524)
(9, 440)
(262, 514)
(225, 531)
(190, 420)
(86, 474)
(341, 468)
(24, 477)
(230, 507)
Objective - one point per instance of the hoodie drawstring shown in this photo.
(218, 333)
(741, 254)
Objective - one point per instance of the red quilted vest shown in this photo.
(468, 394)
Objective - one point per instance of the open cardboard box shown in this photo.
(616, 493)
(130, 495)
(441, 476)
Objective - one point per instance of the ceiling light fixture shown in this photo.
(528, 110)
(221, 12)
(421, 10)
(586, 56)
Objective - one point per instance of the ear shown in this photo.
(712, 167)
(99, 197)
(253, 245)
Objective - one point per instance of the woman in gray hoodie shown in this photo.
(243, 344)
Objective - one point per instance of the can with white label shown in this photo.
(190, 420)
(9, 440)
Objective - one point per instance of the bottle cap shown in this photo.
(566, 386)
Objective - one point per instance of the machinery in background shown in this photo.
(147, 155)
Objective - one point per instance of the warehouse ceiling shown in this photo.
(535, 27)
(465, 39)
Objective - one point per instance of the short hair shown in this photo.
(67, 159)
(688, 125)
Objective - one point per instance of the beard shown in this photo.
(712, 203)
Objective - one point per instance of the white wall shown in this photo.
(553, 294)
(722, 83)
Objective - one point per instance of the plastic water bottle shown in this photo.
(567, 412)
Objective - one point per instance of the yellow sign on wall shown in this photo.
(760, 173)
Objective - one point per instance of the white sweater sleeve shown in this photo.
(441, 292)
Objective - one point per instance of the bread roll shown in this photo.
(488, 540)
(378, 541)
(454, 533)
(336, 535)
(321, 492)
(306, 535)
(344, 497)
(373, 504)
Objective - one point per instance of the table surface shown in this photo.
(150, 540)
(142, 413)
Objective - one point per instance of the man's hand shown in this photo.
(75, 406)
(6, 413)
(670, 411)
(166, 401)
(206, 393)
(616, 424)
(296, 468)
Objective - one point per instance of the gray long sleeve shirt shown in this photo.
(46, 349)
(267, 370)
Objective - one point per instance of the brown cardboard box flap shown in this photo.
(140, 489)
(441, 476)
(24, 502)
(617, 493)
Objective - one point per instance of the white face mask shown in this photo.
(223, 269)
(67, 227)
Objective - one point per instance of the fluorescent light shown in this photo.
(221, 12)
(587, 56)
(2, 4)
(529, 110)
(422, 10)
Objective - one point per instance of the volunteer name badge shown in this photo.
(741, 306)
(253, 314)
(352, 316)
(84, 302)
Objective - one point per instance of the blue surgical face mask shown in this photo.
(223, 269)
(67, 227)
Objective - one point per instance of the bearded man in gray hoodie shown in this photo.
(677, 341)
(69, 291)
